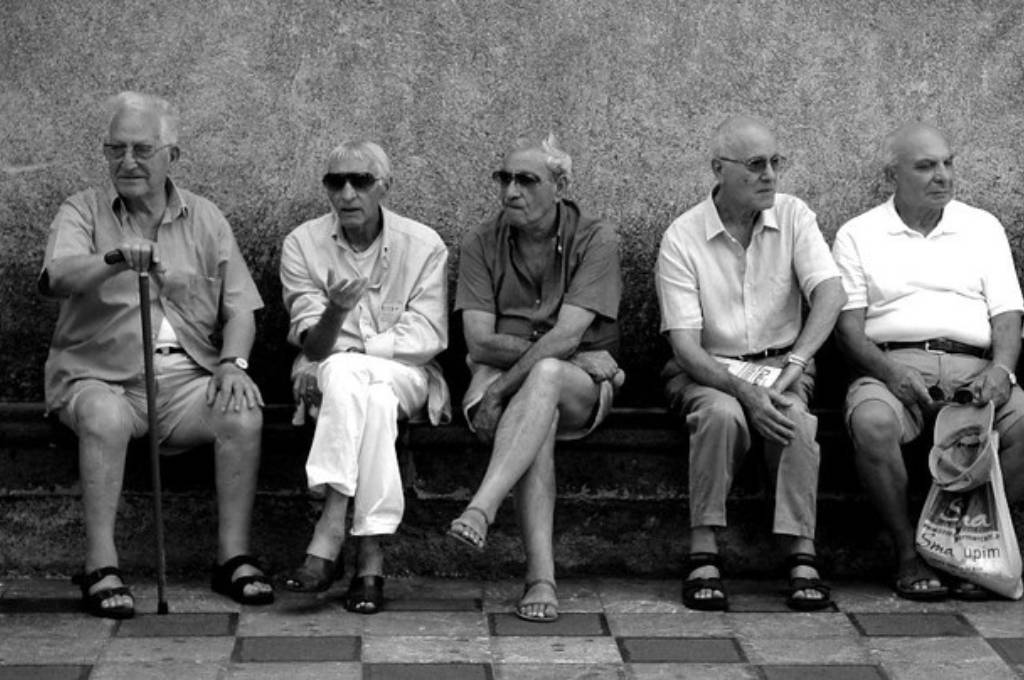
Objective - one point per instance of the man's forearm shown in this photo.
(78, 273)
(827, 299)
(551, 344)
(500, 350)
(320, 339)
(1006, 339)
(239, 334)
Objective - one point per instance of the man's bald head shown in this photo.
(919, 163)
(736, 133)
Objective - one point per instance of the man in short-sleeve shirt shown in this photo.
(539, 290)
(731, 276)
(934, 308)
(201, 290)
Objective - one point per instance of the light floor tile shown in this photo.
(691, 671)
(560, 672)
(72, 651)
(168, 650)
(793, 625)
(840, 650)
(149, 670)
(456, 624)
(425, 649)
(680, 624)
(558, 650)
(315, 621)
(295, 671)
(988, 669)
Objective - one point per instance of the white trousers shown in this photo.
(353, 448)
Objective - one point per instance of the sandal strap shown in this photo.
(800, 583)
(107, 593)
(692, 585)
(227, 570)
(86, 580)
(703, 559)
(479, 511)
(538, 582)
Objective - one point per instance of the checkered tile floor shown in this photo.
(455, 630)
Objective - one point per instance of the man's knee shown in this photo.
(546, 377)
(875, 428)
(723, 412)
(99, 414)
(248, 422)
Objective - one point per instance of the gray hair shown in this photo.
(557, 161)
(892, 143)
(363, 150)
(138, 101)
(727, 130)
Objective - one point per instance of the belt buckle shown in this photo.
(928, 348)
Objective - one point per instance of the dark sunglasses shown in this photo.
(360, 181)
(961, 396)
(758, 164)
(504, 178)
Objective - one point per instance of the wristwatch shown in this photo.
(237, 361)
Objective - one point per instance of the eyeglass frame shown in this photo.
(109, 149)
(525, 180)
(357, 180)
(758, 164)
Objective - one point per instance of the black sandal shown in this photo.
(798, 583)
(692, 586)
(235, 588)
(92, 603)
(365, 594)
(314, 575)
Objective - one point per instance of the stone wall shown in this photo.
(632, 88)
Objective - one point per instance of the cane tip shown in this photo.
(161, 608)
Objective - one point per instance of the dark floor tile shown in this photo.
(426, 671)
(858, 672)
(680, 650)
(439, 604)
(585, 625)
(40, 605)
(44, 672)
(179, 625)
(935, 624)
(1011, 649)
(767, 605)
(306, 649)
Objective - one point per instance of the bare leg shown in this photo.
(703, 539)
(879, 462)
(103, 433)
(237, 461)
(535, 506)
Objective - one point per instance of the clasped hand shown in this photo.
(139, 254)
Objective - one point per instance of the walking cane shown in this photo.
(113, 257)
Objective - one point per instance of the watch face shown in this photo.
(242, 363)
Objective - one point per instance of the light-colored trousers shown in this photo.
(720, 437)
(353, 448)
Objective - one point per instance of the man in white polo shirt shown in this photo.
(934, 309)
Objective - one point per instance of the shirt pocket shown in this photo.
(196, 298)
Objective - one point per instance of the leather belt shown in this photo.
(938, 346)
(763, 354)
(170, 349)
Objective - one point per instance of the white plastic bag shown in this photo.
(968, 532)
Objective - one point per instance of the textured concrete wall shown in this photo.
(633, 88)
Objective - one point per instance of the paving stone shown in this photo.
(292, 648)
(573, 596)
(933, 624)
(555, 650)
(426, 671)
(567, 624)
(680, 650)
(451, 624)
(425, 649)
(157, 671)
(792, 625)
(314, 621)
(215, 650)
(40, 605)
(56, 626)
(690, 624)
(930, 651)
(351, 670)
(178, 625)
(46, 650)
(809, 672)
(1002, 622)
(820, 651)
(988, 669)
(562, 671)
(692, 671)
(44, 672)
(439, 604)
(1011, 649)
(647, 597)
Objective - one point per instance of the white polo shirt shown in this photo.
(947, 284)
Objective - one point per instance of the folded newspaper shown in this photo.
(758, 374)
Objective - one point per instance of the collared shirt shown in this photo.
(913, 287)
(743, 300)
(403, 314)
(583, 272)
(204, 283)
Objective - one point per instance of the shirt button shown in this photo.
(537, 302)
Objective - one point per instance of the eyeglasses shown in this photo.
(140, 152)
(961, 396)
(360, 181)
(758, 164)
(523, 179)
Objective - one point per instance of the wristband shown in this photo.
(796, 359)
(1009, 374)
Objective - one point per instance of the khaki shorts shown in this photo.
(182, 412)
(484, 375)
(949, 371)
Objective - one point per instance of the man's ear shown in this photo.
(175, 153)
(716, 168)
(561, 186)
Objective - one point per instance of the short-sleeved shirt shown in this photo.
(912, 287)
(743, 300)
(584, 273)
(204, 283)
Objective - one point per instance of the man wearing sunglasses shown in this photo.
(366, 291)
(731, 276)
(934, 311)
(539, 290)
(200, 288)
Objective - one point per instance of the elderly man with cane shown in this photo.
(199, 289)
